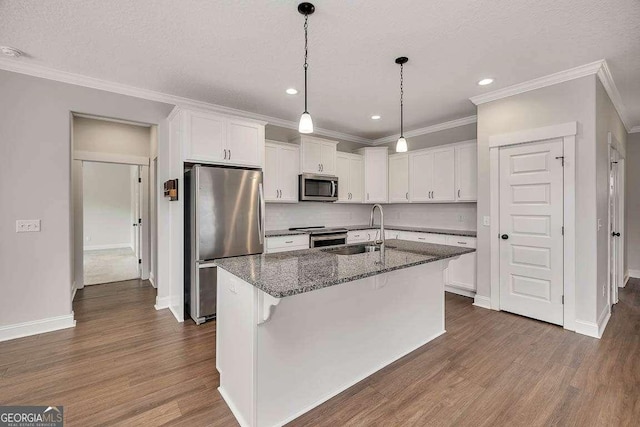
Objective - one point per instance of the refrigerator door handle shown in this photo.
(261, 209)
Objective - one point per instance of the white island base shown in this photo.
(280, 358)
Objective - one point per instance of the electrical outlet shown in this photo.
(27, 226)
(486, 221)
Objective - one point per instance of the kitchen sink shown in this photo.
(352, 250)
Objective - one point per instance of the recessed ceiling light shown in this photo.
(11, 51)
(292, 91)
(375, 117)
(485, 82)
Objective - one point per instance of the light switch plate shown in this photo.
(486, 221)
(27, 226)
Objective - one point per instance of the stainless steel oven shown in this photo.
(318, 188)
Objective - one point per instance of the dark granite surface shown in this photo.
(295, 272)
(448, 232)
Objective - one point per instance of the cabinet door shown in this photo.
(271, 173)
(311, 157)
(420, 176)
(356, 180)
(462, 272)
(244, 146)
(443, 178)
(467, 173)
(342, 172)
(289, 168)
(356, 236)
(399, 178)
(205, 138)
(328, 159)
(375, 176)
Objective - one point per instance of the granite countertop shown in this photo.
(290, 273)
(449, 232)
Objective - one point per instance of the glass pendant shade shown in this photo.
(306, 124)
(401, 145)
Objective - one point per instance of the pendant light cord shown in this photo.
(401, 101)
(306, 54)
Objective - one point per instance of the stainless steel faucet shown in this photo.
(381, 240)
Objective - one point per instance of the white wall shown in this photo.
(35, 175)
(107, 205)
(632, 203)
(570, 101)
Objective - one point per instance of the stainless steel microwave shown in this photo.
(318, 188)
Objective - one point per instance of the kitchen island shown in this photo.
(296, 328)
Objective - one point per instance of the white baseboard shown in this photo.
(594, 329)
(634, 273)
(175, 314)
(35, 327)
(458, 291)
(482, 301)
(152, 280)
(162, 303)
(110, 246)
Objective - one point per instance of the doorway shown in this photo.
(111, 215)
(616, 220)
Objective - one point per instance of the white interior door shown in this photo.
(614, 228)
(137, 217)
(531, 227)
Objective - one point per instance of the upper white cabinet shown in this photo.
(399, 178)
(375, 174)
(281, 168)
(350, 173)
(211, 138)
(467, 172)
(432, 175)
(317, 155)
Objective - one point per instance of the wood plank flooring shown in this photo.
(127, 364)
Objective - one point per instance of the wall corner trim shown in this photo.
(35, 327)
(162, 302)
(482, 301)
(634, 273)
(594, 329)
(635, 129)
(428, 129)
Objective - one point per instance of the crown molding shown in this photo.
(429, 129)
(635, 129)
(609, 85)
(22, 67)
(550, 80)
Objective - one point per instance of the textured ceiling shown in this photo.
(244, 54)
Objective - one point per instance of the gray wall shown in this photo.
(277, 133)
(570, 101)
(607, 120)
(35, 155)
(632, 203)
(448, 136)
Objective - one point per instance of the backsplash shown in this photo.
(460, 216)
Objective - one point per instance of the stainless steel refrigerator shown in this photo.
(224, 217)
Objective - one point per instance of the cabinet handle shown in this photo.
(278, 194)
(407, 195)
(289, 241)
(319, 168)
(458, 193)
(422, 238)
(225, 154)
(229, 154)
(462, 243)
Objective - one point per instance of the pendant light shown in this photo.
(306, 124)
(401, 145)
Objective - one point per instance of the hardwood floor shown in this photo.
(127, 364)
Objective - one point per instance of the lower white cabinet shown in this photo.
(460, 276)
(413, 236)
(359, 236)
(286, 243)
(391, 234)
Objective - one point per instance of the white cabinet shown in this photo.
(391, 234)
(317, 156)
(467, 172)
(350, 172)
(286, 243)
(399, 178)
(413, 236)
(210, 138)
(359, 236)
(375, 174)
(461, 273)
(281, 168)
(432, 175)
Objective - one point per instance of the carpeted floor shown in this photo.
(109, 265)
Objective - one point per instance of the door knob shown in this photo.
(614, 234)
(504, 236)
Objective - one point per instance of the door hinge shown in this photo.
(562, 299)
(561, 158)
(563, 230)
(139, 261)
(139, 220)
(139, 179)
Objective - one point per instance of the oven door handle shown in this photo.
(329, 237)
(333, 188)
